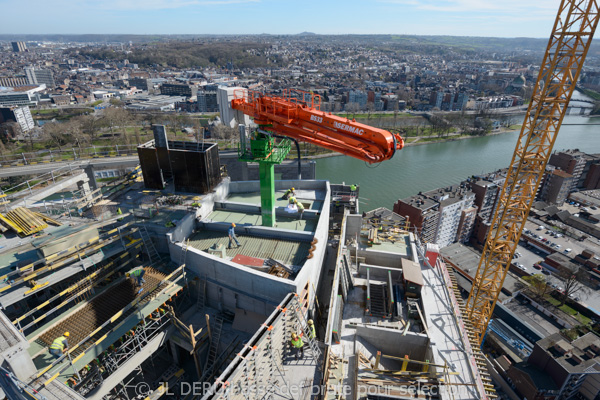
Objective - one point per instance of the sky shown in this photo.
(497, 18)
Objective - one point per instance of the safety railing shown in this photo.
(72, 154)
(168, 282)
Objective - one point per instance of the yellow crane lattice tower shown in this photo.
(567, 48)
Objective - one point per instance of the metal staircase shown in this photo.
(303, 325)
(148, 245)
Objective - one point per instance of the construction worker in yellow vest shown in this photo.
(288, 193)
(137, 274)
(313, 332)
(297, 346)
(59, 346)
(300, 208)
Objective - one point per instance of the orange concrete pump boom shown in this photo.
(297, 114)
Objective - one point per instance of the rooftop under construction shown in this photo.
(143, 279)
(217, 315)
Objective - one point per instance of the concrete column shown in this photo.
(244, 170)
(20, 364)
(84, 188)
(174, 351)
(89, 170)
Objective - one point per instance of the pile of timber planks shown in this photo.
(25, 222)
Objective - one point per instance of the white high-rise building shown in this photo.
(20, 115)
(453, 201)
(228, 115)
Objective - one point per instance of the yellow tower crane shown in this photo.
(567, 48)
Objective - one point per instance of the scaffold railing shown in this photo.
(169, 280)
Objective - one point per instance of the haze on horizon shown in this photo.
(491, 18)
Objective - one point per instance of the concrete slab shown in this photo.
(239, 218)
(447, 342)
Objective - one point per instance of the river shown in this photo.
(429, 166)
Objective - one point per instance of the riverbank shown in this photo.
(500, 131)
(424, 168)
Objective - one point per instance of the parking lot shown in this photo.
(530, 256)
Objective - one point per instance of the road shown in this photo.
(38, 169)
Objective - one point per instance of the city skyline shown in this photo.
(421, 17)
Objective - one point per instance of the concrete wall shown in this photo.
(391, 341)
(230, 285)
(257, 231)
(255, 209)
(159, 237)
(184, 228)
(382, 258)
(243, 171)
(254, 186)
(380, 272)
(353, 225)
(311, 270)
(220, 193)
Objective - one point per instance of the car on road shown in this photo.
(537, 266)
(546, 272)
(567, 250)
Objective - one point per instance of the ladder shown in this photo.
(214, 343)
(201, 295)
(184, 248)
(148, 245)
(297, 308)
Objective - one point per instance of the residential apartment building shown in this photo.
(466, 224)
(560, 369)
(359, 97)
(592, 178)
(174, 89)
(21, 115)
(140, 83)
(207, 101)
(453, 200)
(37, 76)
(486, 197)
(422, 213)
(572, 162)
(556, 186)
(19, 47)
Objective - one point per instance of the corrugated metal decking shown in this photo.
(286, 251)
